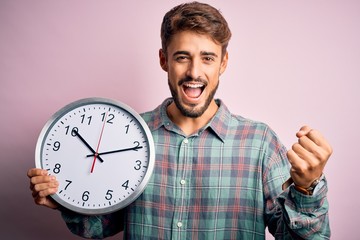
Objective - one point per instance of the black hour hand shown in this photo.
(75, 132)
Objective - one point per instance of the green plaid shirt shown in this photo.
(224, 182)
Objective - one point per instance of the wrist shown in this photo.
(304, 190)
(307, 190)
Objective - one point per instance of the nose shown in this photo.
(194, 69)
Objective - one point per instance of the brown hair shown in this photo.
(199, 17)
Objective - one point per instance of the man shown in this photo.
(217, 175)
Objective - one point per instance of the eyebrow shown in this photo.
(203, 53)
(208, 53)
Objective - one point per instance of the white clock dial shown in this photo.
(101, 152)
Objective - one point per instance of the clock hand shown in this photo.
(86, 144)
(96, 154)
(115, 151)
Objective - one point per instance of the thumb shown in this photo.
(304, 130)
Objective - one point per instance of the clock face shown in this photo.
(101, 152)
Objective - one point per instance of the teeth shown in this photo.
(198, 85)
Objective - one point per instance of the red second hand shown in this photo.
(98, 145)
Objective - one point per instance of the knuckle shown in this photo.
(295, 146)
(39, 201)
(37, 187)
(290, 154)
(42, 194)
(320, 154)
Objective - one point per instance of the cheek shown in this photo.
(213, 76)
(175, 74)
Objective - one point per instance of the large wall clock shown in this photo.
(101, 152)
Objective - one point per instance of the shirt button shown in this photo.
(182, 182)
(179, 224)
(186, 140)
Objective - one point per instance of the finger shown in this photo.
(44, 191)
(36, 175)
(36, 172)
(47, 192)
(297, 163)
(42, 179)
(308, 144)
(303, 153)
(40, 200)
(319, 140)
(45, 186)
(46, 202)
(316, 145)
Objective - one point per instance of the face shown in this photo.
(194, 63)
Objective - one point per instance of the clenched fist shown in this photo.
(308, 157)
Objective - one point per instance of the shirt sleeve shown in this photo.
(94, 227)
(306, 216)
(290, 214)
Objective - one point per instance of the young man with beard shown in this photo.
(217, 175)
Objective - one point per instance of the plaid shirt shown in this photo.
(224, 182)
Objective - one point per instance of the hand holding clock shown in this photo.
(42, 185)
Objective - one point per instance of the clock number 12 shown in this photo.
(109, 118)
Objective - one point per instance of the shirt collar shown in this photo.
(219, 124)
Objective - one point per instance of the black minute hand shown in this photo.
(115, 151)
(86, 144)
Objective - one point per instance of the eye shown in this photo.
(208, 59)
(182, 58)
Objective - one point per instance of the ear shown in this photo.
(224, 62)
(163, 60)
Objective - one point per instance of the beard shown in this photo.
(191, 111)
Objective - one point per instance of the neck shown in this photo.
(191, 125)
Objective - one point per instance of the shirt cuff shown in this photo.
(307, 203)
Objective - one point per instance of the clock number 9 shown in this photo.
(56, 146)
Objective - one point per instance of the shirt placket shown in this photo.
(182, 190)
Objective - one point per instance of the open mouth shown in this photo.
(193, 90)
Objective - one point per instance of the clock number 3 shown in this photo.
(138, 165)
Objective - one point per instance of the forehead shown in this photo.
(193, 42)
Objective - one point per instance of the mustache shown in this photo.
(190, 79)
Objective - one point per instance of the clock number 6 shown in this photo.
(85, 196)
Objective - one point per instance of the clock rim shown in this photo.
(150, 142)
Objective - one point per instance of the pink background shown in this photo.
(291, 63)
